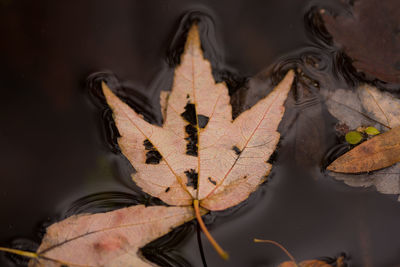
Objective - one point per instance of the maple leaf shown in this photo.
(106, 239)
(366, 106)
(200, 153)
(200, 156)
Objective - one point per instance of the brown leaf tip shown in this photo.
(193, 40)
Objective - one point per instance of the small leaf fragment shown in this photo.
(353, 137)
(308, 263)
(372, 131)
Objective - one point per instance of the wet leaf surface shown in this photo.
(108, 239)
(377, 153)
(199, 152)
(369, 34)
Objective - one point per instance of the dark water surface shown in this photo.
(58, 145)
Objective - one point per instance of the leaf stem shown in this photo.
(34, 255)
(28, 254)
(203, 227)
(279, 246)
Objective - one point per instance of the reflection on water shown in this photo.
(300, 206)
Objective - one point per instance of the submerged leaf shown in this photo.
(386, 181)
(365, 105)
(370, 36)
(353, 137)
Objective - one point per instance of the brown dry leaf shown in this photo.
(377, 153)
(308, 263)
(108, 239)
(338, 262)
(200, 153)
(370, 36)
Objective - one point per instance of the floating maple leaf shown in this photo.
(200, 157)
(200, 153)
(364, 106)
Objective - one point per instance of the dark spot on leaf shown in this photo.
(190, 113)
(244, 177)
(237, 150)
(166, 190)
(212, 181)
(193, 178)
(147, 144)
(152, 155)
(202, 120)
(191, 146)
